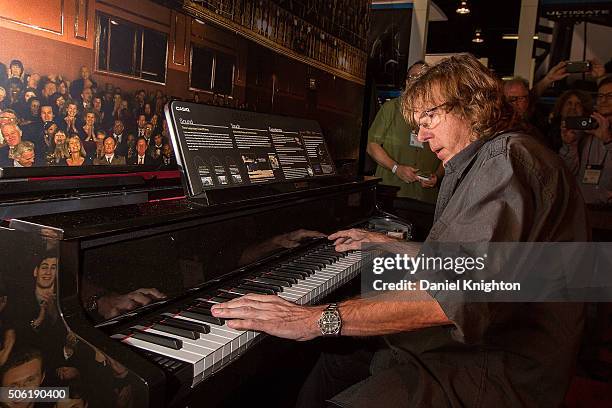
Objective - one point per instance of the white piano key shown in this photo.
(195, 359)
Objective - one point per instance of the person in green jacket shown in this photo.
(400, 156)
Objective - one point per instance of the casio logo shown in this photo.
(182, 109)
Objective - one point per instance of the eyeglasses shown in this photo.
(518, 98)
(604, 97)
(431, 117)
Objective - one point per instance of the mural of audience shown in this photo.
(37, 350)
(64, 123)
(41, 105)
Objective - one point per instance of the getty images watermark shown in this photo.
(486, 272)
(406, 264)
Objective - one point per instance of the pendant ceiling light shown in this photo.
(463, 8)
(478, 36)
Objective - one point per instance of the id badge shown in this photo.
(592, 174)
(414, 141)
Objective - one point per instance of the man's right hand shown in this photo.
(407, 173)
(557, 73)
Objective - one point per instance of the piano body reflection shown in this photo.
(129, 354)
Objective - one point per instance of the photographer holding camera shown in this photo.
(588, 156)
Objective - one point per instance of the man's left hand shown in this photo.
(272, 315)
(603, 131)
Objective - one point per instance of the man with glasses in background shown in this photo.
(428, 348)
(589, 158)
(516, 91)
(400, 156)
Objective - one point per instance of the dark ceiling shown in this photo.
(493, 17)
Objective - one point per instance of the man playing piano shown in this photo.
(499, 186)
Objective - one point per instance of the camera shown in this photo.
(574, 67)
(581, 123)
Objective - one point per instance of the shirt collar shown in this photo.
(464, 157)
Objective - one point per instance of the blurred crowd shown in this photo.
(578, 125)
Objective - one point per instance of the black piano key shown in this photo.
(291, 272)
(256, 289)
(189, 334)
(182, 324)
(329, 258)
(276, 287)
(236, 290)
(291, 279)
(320, 259)
(332, 253)
(219, 299)
(273, 280)
(202, 317)
(300, 263)
(306, 272)
(311, 262)
(227, 296)
(169, 342)
(200, 309)
(202, 303)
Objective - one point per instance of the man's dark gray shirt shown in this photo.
(508, 188)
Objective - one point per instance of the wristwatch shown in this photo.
(330, 321)
(394, 168)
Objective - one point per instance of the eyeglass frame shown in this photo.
(430, 114)
(605, 97)
(513, 99)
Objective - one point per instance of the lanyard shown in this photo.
(588, 163)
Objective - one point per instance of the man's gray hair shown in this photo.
(22, 148)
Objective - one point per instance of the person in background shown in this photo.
(168, 159)
(77, 86)
(60, 151)
(24, 369)
(400, 156)
(110, 158)
(76, 151)
(59, 105)
(14, 87)
(588, 154)
(25, 154)
(16, 70)
(570, 103)
(12, 136)
(49, 129)
(141, 157)
(516, 91)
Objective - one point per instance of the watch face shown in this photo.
(329, 323)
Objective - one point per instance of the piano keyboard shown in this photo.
(190, 338)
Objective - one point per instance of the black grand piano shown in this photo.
(114, 300)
